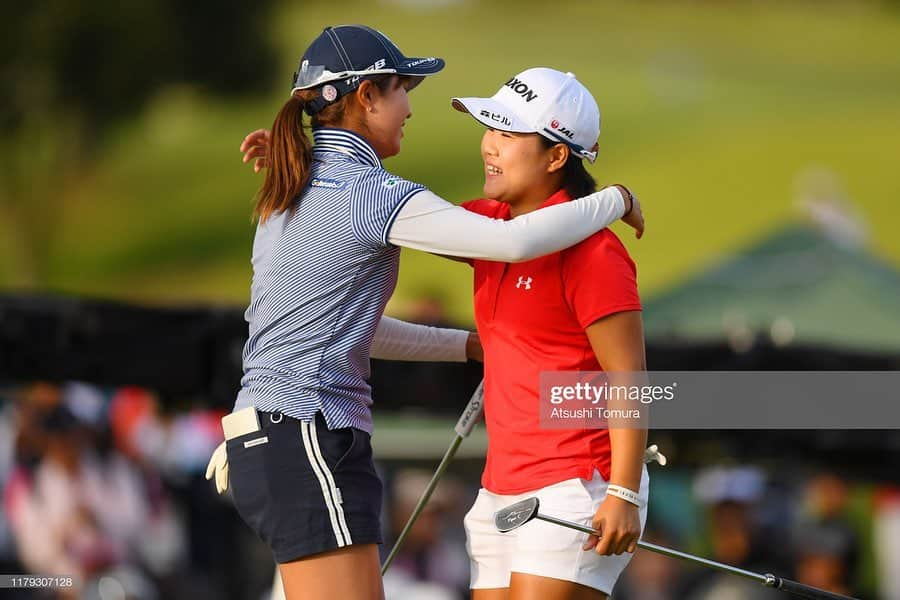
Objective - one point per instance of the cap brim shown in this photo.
(412, 67)
(420, 66)
(493, 114)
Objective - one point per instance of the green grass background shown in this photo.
(711, 111)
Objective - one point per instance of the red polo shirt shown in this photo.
(532, 317)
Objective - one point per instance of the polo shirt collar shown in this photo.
(558, 197)
(348, 143)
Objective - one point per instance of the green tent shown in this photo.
(796, 286)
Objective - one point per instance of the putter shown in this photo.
(464, 426)
(516, 515)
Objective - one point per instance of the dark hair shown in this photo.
(576, 180)
(290, 150)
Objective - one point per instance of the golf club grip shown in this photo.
(806, 591)
(473, 412)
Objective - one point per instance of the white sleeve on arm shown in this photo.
(398, 340)
(430, 223)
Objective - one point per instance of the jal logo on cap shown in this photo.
(563, 130)
(522, 89)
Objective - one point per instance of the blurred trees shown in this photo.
(71, 70)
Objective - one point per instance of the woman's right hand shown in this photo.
(634, 215)
(256, 146)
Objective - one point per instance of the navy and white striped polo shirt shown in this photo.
(322, 275)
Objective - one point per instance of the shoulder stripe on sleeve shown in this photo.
(385, 234)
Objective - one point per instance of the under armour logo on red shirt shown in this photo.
(526, 281)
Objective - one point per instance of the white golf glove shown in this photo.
(218, 467)
(650, 454)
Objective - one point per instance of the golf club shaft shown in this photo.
(703, 561)
(426, 495)
(467, 421)
(662, 550)
(767, 580)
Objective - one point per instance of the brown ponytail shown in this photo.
(290, 150)
(289, 157)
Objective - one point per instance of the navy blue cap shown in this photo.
(341, 57)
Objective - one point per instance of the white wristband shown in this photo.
(624, 493)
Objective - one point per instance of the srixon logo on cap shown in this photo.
(522, 89)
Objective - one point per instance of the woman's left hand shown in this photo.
(474, 351)
(619, 524)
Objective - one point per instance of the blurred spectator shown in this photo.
(887, 540)
(8, 561)
(177, 444)
(731, 495)
(78, 509)
(431, 565)
(826, 545)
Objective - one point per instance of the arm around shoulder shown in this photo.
(430, 223)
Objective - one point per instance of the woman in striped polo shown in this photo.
(325, 260)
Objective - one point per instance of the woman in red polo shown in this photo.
(575, 310)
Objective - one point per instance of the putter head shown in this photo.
(516, 515)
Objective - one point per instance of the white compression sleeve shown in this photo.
(398, 340)
(430, 223)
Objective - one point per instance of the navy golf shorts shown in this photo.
(305, 489)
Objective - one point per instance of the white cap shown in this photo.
(545, 101)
